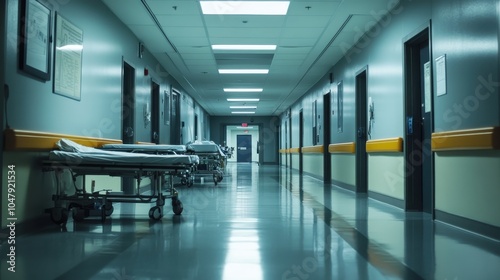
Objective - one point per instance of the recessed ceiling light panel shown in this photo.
(242, 112)
(243, 107)
(243, 89)
(243, 71)
(244, 7)
(245, 47)
(243, 99)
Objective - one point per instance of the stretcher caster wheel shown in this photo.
(177, 206)
(155, 213)
(184, 181)
(78, 214)
(108, 208)
(59, 215)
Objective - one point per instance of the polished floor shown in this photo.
(260, 222)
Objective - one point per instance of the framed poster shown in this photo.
(35, 39)
(67, 58)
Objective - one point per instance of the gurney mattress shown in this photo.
(181, 149)
(74, 153)
(110, 158)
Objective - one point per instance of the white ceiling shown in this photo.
(310, 39)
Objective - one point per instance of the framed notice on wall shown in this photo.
(441, 75)
(35, 39)
(67, 58)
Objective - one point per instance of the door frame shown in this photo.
(327, 163)
(361, 92)
(155, 112)
(301, 140)
(414, 139)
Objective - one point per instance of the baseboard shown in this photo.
(469, 224)
(387, 199)
(315, 176)
(344, 185)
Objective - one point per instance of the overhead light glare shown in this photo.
(244, 127)
(243, 89)
(243, 107)
(243, 112)
(243, 99)
(245, 47)
(244, 7)
(243, 71)
(70, 48)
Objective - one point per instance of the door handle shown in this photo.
(128, 131)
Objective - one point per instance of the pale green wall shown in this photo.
(467, 184)
(313, 164)
(344, 168)
(295, 161)
(385, 174)
(33, 188)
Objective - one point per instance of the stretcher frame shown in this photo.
(84, 203)
(212, 161)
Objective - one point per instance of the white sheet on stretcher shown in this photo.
(205, 147)
(180, 149)
(76, 153)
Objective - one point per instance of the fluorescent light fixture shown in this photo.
(244, 127)
(245, 47)
(243, 99)
(243, 112)
(243, 89)
(243, 107)
(243, 71)
(244, 7)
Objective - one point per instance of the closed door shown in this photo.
(419, 188)
(175, 121)
(243, 148)
(128, 103)
(155, 113)
(362, 132)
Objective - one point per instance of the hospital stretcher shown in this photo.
(212, 159)
(80, 161)
(162, 149)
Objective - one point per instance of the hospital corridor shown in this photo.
(250, 139)
(260, 222)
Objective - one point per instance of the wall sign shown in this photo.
(68, 58)
(35, 39)
(441, 75)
